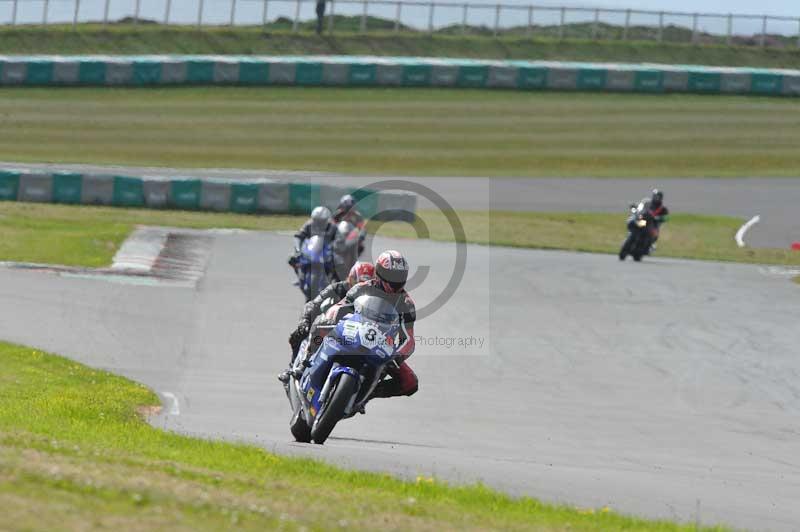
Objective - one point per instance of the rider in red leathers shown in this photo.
(391, 273)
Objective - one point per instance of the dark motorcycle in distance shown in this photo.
(641, 228)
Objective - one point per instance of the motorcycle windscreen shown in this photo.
(313, 248)
(376, 309)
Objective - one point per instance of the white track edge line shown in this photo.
(174, 407)
(743, 229)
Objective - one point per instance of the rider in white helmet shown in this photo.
(318, 224)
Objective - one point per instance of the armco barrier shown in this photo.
(250, 196)
(391, 71)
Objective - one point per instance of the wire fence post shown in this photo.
(561, 23)
(330, 17)
(200, 14)
(729, 37)
(397, 15)
(464, 9)
(233, 12)
(529, 33)
(595, 24)
(627, 24)
(136, 10)
(167, 10)
(763, 41)
(264, 13)
(14, 13)
(296, 21)
(75, 14)
(496, 19)
(430, 17)
(45, 8)
(798, 33)
(661, 26)
(694, 28)
(364, 17)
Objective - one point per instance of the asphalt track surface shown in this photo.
(664, 389)
(776, 200)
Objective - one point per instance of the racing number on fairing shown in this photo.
(371, 336)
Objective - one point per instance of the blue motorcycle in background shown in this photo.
(312, 277)
(336, 383)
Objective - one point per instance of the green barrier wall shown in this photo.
(185, 194)
(128, 192)
(252, 196)
(9, 185)
(67, 188)
(392, 71)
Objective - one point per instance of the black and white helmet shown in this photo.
(391, 269)
(657, 198)
(320, 217)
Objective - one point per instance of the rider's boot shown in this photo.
(285, 375)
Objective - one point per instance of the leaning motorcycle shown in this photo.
(312, 278)
(337, 381)
(345, 247)
(641, 227)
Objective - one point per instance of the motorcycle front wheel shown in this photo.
(334, 411)
(626, 247)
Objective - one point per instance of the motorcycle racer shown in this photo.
(658, 211)
(318, 224)
(391, 273)
(346, 211)
(333, 293)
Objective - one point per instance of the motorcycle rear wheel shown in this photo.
(334, 411)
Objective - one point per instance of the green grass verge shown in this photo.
(150, 39)
(684, 236)
(405, 131)
(74, 454)
(89, 236)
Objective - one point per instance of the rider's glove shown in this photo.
(299, 333)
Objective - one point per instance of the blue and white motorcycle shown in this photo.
(314, 254)
(337, 381)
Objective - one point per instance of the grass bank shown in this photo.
(405, 132)
(277, 39)
(89, 236)
(74, 454)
